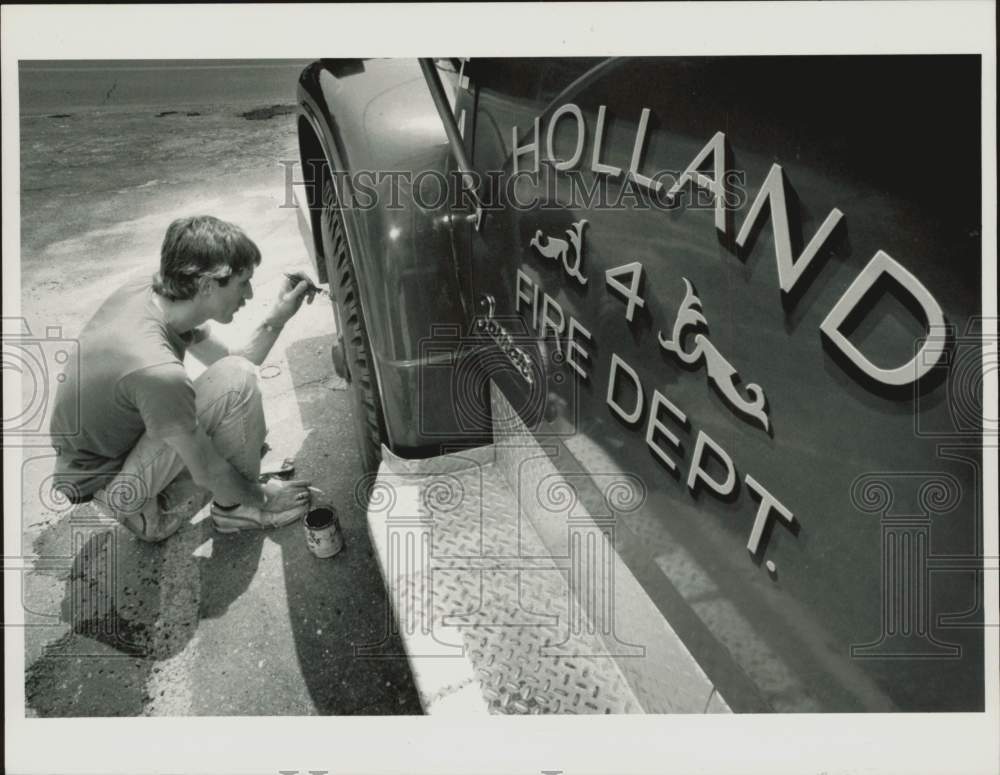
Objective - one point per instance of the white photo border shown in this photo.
(959, 742)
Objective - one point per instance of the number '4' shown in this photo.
(631, 291)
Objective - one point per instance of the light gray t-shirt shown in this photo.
(131, 380)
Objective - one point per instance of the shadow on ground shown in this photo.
(185, 627)
(129, 606)
(339, 605)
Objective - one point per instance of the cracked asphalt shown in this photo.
(203, 623)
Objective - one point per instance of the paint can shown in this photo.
(322, 528)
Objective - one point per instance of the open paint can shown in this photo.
(322, 528)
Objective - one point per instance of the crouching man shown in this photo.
(153, 447)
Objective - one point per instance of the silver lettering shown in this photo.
(640, 140)
(548, 303)
(699, 474)
(716, 148)
(520, 150)
(768, 505)
(773, 191)
(531, 299)
(581, 130)
(629, 417)
(933, 347)
(595, 165)
(573, 347)
(655, 426)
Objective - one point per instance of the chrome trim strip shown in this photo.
(451, 129)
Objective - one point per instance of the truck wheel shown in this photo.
(356, 351)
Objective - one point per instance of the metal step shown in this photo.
(496, 618)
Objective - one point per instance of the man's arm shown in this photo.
(287, 304)
(261, 341)
(209, 348)
(227, 485)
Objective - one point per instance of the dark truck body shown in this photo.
(867, 594)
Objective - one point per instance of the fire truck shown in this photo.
(668, 374)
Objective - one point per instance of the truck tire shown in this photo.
(356, 351)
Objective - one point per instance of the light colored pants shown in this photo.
(154, 494)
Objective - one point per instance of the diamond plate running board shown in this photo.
(508, 602)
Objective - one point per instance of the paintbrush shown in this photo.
(313, 288)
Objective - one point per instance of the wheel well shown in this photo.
(313, 161)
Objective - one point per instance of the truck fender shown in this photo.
(366, 120)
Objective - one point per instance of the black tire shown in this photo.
(369, 422)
